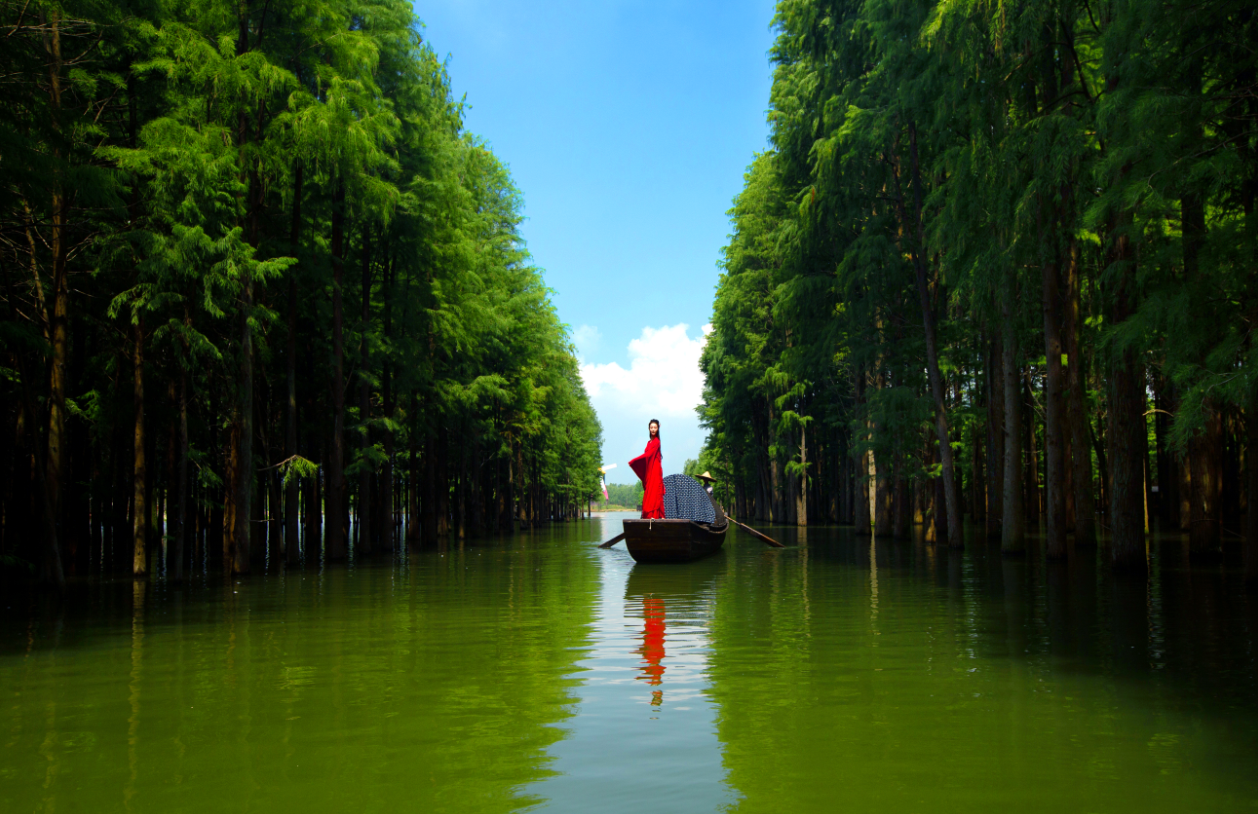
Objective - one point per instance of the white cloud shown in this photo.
(663, 376)
(662, 381)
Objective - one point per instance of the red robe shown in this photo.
(647, 467)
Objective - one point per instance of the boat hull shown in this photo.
(672, 540)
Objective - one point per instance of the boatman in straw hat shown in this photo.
(708, 480)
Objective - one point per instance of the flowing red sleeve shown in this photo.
(648, 469)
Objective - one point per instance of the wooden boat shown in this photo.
(672, 540)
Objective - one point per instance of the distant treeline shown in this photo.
(1000, 261)
(625, 494)
(258, 281)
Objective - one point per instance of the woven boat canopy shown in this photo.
(686, 499)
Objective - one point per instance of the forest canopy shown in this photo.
(263, 295)
(1000, 261)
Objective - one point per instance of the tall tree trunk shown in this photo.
(995, 441)
(219, 527)
(275, 512)
(883, 485)
(430, 521)
(862, 519)
(1251, 509)
(801, 509)
(977, 496)
(1249, 197)
(1168, 499)
(388, 527)
(442, 503)
(1013, 524)
(55, 458)
(1205, 448)
(1054, 441)
(334, 535)
(413, 478)
(460, 509)
(231, 483)
(166, 511)
(243, 438)
(175, 554)
(952, 504)
(1031, 460)
(241, 495)
(1206, 453)
(508, 515)
(901, 519)
(50, 569)
(291, 535)
(1077, 411)
(139, 556)
(1126, 419)
(364, 404)
(312, 545)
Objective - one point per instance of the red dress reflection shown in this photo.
(652, 649)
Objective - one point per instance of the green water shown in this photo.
(540, 673)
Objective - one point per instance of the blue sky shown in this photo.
(627, 127)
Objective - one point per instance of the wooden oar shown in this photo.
(764, 537)
(613, 540)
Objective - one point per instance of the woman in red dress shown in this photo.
(647, 467)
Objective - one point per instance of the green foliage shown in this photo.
(981, 142)
(221, 157)
(297, 467)
(625, 494)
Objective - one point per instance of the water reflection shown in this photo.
(924, 678)
(687, 589)
(652, 649)
(440, 685)
(506, 674)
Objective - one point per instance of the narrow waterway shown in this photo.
(538, 672)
